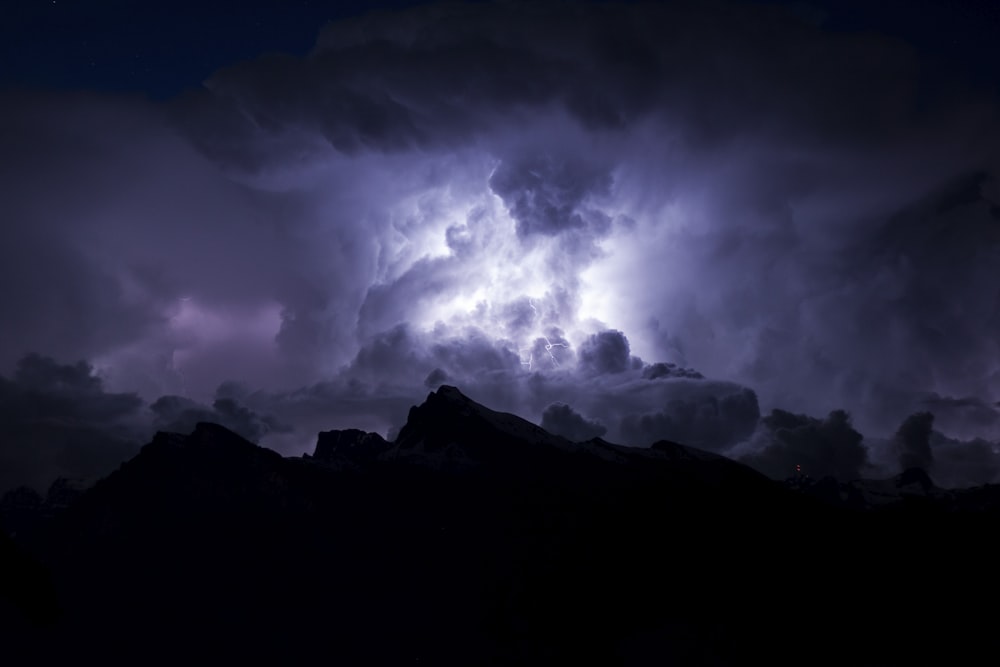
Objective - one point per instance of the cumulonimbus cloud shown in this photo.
(666, 217)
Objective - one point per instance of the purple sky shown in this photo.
(640, 222)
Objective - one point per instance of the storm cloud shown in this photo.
(714, 420)
(950, 461)
(180, 415)
(57, 420)
(667, 217)
(787, 444)
(563, 420)
(959, 463)
(913, 441)
(604, 353)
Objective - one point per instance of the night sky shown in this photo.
(766, 230)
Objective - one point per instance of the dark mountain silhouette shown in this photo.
(478, 538)
(23, 507)
(348, 449)
(910, 489)
(27, 599)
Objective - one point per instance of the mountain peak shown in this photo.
(451, 397)
(452, 427)
(450, 392)
(348, 448)
(208, 441)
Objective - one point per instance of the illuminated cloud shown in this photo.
(666, 217)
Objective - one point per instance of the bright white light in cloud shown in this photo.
(641, 270)
(479, 272)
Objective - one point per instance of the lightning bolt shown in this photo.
(528, 362)
(548, 344)
(548, 348)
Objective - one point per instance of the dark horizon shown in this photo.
(476, 536)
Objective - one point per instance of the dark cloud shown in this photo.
(436, 378)
(668, 370)
(960, 463)
(56, 420)
(605, 352)
(546, 195)
(912, 441)
(964, 415)
(180, 415)
(710, 421)
(68, 387)
(821, 447)
(563, 420)
(952, 462)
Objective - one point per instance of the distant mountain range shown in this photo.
(478, 538)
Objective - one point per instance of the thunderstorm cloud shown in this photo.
(673, 218)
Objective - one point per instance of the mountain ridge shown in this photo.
(477, 533)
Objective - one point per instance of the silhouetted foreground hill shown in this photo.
(477, 538)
